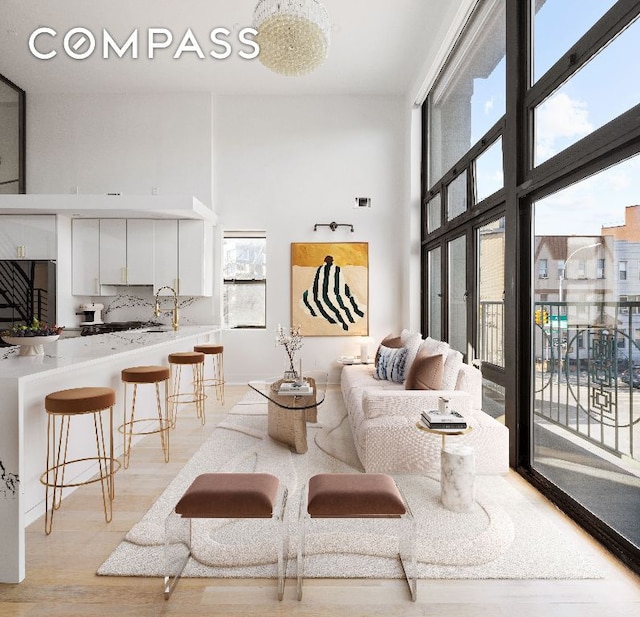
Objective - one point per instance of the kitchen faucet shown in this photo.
(156, 310)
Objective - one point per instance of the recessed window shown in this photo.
(622, 270)
(245, 279)
(543, 268)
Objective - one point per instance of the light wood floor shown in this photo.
(61, 578)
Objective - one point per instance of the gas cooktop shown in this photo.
(115, 326)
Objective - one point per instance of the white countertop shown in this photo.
(87, 350)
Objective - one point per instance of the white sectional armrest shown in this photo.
(410, 403)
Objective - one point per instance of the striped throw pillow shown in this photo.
(391, 363)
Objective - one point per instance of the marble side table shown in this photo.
(457, 470)
(457, 477)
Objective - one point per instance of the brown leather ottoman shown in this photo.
(228, 496)
(365, 497)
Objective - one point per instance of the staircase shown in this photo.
(20, 300)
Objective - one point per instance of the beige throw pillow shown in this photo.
(425, 373)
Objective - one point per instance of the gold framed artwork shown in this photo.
(330, 288)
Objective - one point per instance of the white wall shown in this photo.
(282, 164)
(120, 143)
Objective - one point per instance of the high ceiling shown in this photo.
(377, 47)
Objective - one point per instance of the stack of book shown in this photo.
(293, 389)
(444, 421)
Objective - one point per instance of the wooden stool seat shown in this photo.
(196, 394)
(186, 357)
(226, 496)
(79, 400)
(145, 374)
(140, 375)
(61, 406)
(362, 496)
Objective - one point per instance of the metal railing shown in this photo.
(585, 377)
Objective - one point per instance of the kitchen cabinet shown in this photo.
(85, 257)
(195, 258)
(165, 255)
(113, 251)
(28, 237)
(183, 257)
(126, 250)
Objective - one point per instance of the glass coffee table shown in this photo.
(290, 406)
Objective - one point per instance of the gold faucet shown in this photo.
(156, 310)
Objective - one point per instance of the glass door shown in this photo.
(434, 290)
(457, 296)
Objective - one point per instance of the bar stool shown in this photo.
(61, 406)
(139, 375)
(177, 360)
(217, 376)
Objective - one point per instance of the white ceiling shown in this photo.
(377, 47)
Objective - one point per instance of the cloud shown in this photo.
(560, 121)
(488, 106)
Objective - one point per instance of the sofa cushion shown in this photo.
(411, 341)
(433, 347)
(391, 364)
(452, 365)
(391, 341)
(425, 373)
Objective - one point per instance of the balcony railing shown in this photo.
(587, 371)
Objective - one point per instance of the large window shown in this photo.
(591, 97)
(532, 142)
(245, 279)
(469, 97)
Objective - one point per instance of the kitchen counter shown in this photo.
(26, 380)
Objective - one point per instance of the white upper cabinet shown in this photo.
(28, 237)
(85, 257)
(140, 243)
(183, 257)
(195, 258)
(126, 252)
(165, 255)
(113, 252)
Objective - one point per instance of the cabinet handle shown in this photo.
(123, 275)
(95, 285)
(20, 251)
(178, 286)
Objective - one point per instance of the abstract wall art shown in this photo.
(330, 288)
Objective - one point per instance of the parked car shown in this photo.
(632, 377)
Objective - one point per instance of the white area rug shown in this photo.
(503, 536)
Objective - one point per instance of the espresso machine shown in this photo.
(91, 313)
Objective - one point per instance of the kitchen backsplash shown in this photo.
(137, 303)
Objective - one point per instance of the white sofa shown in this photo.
(383, 417)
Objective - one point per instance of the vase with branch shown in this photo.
(291, 340)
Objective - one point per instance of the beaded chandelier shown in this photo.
(293, 35)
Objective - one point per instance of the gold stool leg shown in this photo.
(105, 463)
(218, 373)
(176, 375)
(163, 420)
(128, 425)
(198, 389)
